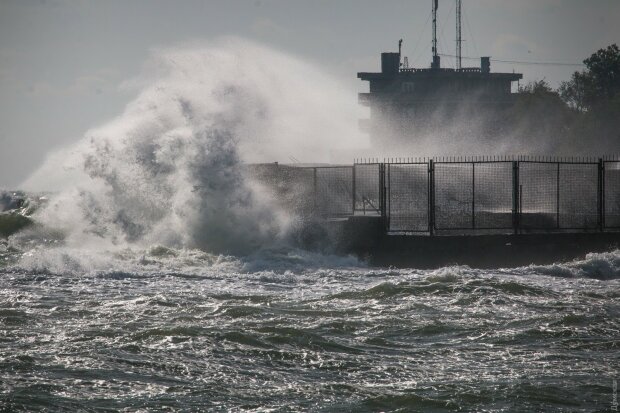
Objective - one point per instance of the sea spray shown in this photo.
(169, 170)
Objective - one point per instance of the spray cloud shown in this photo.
(169, 169)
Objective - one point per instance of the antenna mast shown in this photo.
(435, 64)
(459, 39)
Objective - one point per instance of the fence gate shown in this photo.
(408, 197)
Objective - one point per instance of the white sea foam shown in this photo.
(604, 266)
(169, 169)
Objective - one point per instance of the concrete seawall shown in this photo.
(366, 238)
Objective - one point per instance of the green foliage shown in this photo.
(539, 95)
(582, 111)
(537, 87)
(539, 116)
(596, 86)
(604, 73)
(573, 92)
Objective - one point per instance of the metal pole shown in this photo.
(434, 12)
(557, 197)
(459, 39)
(431, 197)
(389, 194)
(473, 195)
(380, 189)
(353, 187)
(520, 203)
(601, 194)
(515, 196)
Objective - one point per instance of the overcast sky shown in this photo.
(62, 62)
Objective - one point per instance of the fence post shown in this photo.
(382, 200)
(387, 197)
(431, 197)
(557, 198)
(601, 194)
(473, 195)
(515, 196)
(353, 188)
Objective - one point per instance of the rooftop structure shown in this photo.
(407, 101)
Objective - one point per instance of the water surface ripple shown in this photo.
(176, 334)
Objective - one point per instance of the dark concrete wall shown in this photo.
(366, 238)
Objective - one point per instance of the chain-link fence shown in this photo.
(493, 195)
(473, 195)
(291, 188)
(578, 196)
(334, 190)
(408, 197)
(454, 195)
(561, 195)
(367, 188)
(469, 195)
(538, 195)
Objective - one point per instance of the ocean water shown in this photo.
(158, 276)
(286, 330)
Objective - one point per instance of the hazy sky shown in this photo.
(63, 63)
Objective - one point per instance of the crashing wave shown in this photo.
(169, 170)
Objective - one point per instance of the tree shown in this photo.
(539, 118)
(598, 85)
(595, 93)
(573, 92)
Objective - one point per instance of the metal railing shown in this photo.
(474, 194)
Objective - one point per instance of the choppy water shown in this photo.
(91, 319)
(166, 330)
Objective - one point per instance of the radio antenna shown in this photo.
(436, 62)
(459, 39)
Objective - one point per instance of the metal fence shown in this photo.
(447, 195)
(367, 188)
(407, 197)
(473, 195)
(611, 194)
(334, 190)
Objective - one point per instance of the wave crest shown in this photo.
(170, 169)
